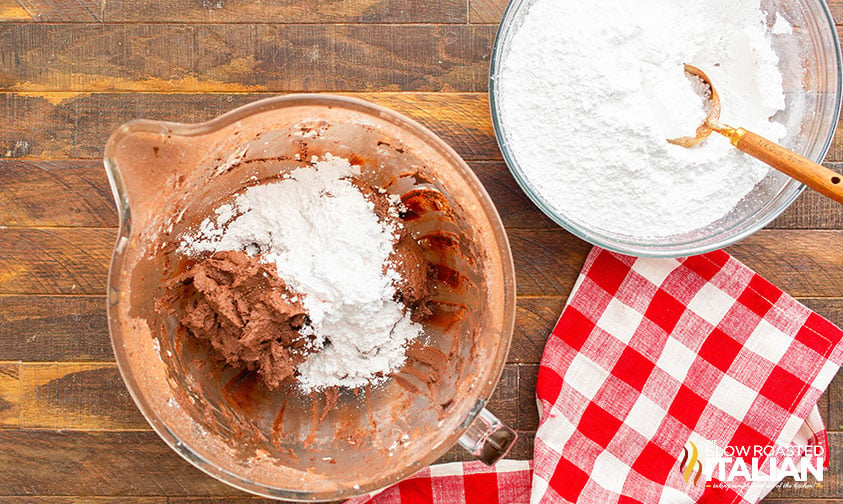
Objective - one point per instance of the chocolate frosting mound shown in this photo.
(245, 311)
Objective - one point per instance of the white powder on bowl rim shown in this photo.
(589, 92)
(329, 245)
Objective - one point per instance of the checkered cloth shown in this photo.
(653, 360)
(461, 482)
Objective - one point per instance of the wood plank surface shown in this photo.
(834, 419)
(486, 11)
(287, 11)
(11, 11)
(97, 463)
(54, 328)
(245, 57)
(55, 194)
(836, 7)
(9, 394)
(72, 125)
(62, 10)
(237, 58)
(55, 261)
(88, 396)
(237, 11)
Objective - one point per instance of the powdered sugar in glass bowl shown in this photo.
(803, 39)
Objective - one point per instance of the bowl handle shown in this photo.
(487, 438)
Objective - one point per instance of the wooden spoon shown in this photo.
(813, 175)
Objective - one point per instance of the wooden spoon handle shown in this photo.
(813, 175)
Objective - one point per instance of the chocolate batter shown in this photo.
(244, 310)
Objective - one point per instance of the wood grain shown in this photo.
(486, 11)
(64, 10)
(72, 125)
(834, 418)
(55, 193)
(287, 11)
(812, 210)
(802, 263)
(9, 394)
(74, 463)
(528, 413)
(240, 11)
(836, 7)
(547, 261)
(11, 11)
(87, 396)
(504, 402)
(238, 58)
(534, 319)
(55, 261)
(54, 328)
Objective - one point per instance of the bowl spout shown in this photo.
(145, 161)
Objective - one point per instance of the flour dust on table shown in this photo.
(590, 91)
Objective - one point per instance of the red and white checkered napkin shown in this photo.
(654, 360)
(650, 356)
(461, 482)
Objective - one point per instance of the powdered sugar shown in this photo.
(781, 26)
(329, 246)
(590, 91)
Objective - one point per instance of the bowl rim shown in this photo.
(685, 249)
(486, 384)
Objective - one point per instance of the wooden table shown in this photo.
(73, 70)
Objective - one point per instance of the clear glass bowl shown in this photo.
(167, 177)
(811, 67)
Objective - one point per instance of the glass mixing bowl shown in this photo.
(810, 63)
(167, 177)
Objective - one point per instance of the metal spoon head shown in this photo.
(712, 119)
